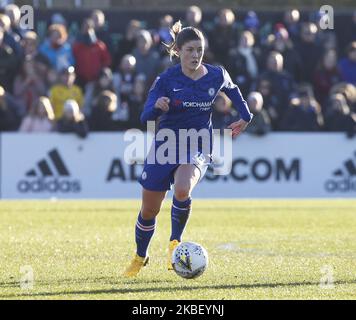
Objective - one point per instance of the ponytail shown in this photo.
(172, 47)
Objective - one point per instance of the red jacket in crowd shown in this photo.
(90, 59)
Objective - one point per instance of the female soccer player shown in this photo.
(182, 97)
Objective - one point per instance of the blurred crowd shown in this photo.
(295, 76)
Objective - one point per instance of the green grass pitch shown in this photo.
(258, 249)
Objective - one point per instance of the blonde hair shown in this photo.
(47, 105)
(347, 89)
(61, 29)
(73, 106)
(250, 37)
(230, 16)
(15, 10)
(107, 99)
(257, 96)
(5, 21)
(343, 106)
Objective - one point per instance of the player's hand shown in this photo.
(163, 104)
(237, 127)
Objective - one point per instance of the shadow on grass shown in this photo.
(102, 281)
(167, 289)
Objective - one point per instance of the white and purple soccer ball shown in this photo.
(189, 260)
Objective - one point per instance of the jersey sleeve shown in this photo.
(234, 94)
(156, 91)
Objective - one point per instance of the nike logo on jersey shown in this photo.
(174, 89)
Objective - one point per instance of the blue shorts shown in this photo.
(160, 177)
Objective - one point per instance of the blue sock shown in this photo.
(180, 214)
(144, 232)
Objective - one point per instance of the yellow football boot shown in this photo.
(136, 265)
(172, 245)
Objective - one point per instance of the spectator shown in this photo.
(252, 23)
(261, 123)
(348, 90)
(93, 89)
(56, 47)
(340, 117)
(101, 29)
(11, 39)
(270, 101)
(64, 91)
(347, 34)
(44, 70)
(327, 40)
(147, 59)
(282, 84)
(40, 117)
(72, 120)
(29, 44)
(291, 58)
(102, 116)
(124, 78)
(58, 18)
(90, 53)
(304, 113)
(28, 85)
(243, 62)
(9, 119)
(325, 76)
(193, 17)
(14, 13)
(348, 65)
(309, 51)
(223, 114)
(53, 78)
(136, 101)
(291, 21)
(223, 36)
(163, 34)
(8, 64)
(128, 43)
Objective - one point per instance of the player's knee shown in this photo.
(181, 193)
(148, 212)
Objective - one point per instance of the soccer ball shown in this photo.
(189, 260)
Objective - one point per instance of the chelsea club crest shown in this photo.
(211, 92)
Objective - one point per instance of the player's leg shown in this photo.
(186, 178)
(146, 220)
(145, 227)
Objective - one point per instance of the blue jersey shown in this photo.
(191, 101)
(190, 107)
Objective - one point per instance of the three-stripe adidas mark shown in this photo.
(349, 168)
(47, 167)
